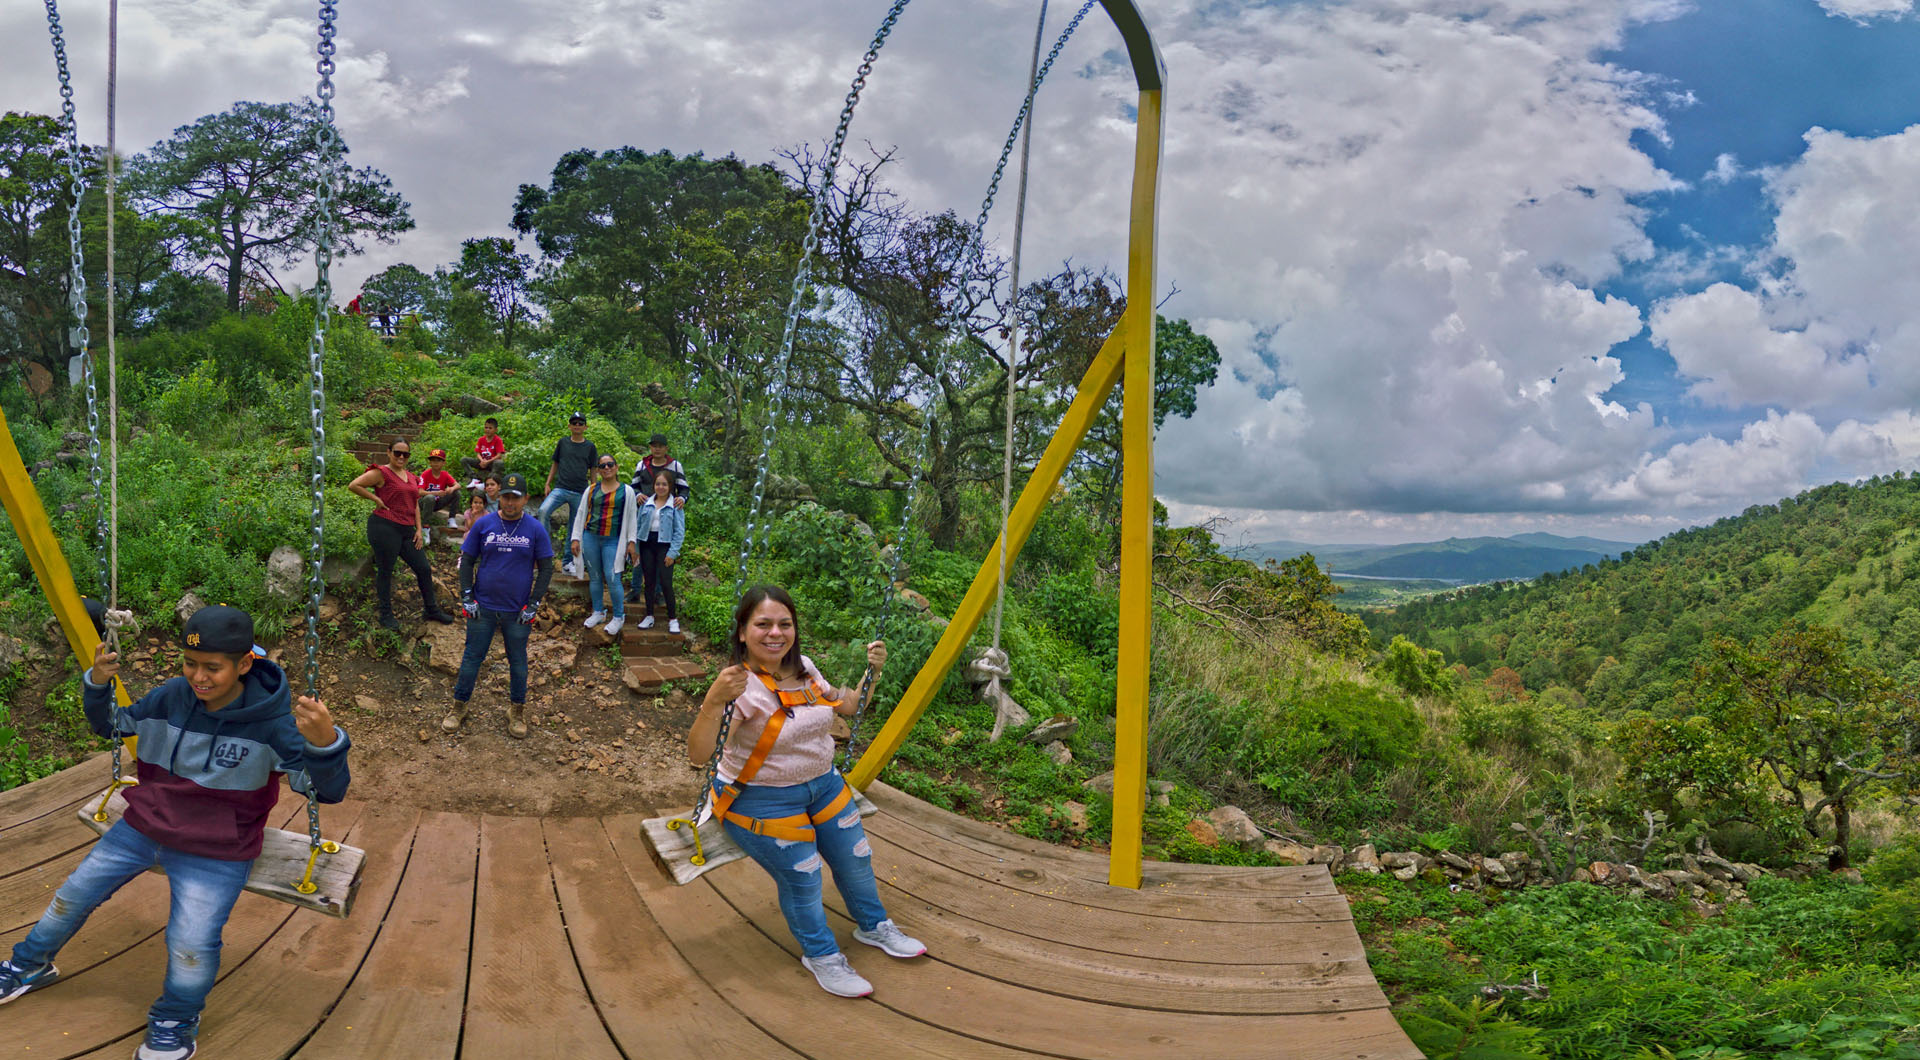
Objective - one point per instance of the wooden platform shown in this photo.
(484, 937)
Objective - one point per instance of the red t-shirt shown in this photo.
(489, 446)
(433, 481)
(399, 493)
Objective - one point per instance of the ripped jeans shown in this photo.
(841, 844)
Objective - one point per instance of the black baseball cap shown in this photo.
(657, 439)
(578, 417)
(515, 484)
(218, 627)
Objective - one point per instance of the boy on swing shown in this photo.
(212, 743)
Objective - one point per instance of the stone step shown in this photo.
(647, 674)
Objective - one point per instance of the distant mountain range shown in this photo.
(1462, 560)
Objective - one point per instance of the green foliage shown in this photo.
(1475, 1031)
(198, 399)
(1415, 669)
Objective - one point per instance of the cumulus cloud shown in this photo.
(1864, 10)
(1779, 454)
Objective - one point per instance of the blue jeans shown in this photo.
(553, 501)
(795, 867)
(480, 637)
(601, 553)
(204, 890)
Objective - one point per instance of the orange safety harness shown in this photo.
(797, 827)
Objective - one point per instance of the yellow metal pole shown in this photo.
(1136, 511)
(23, 506)
(1098, 382)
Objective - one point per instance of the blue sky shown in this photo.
(1608, 267)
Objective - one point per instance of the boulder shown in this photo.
(189, 605)
(1328, 854)
(1076, 817)
(1059, 753)
(1745, 872)
(1058, 727)
(1102, 783)
(1396, 859)
(286, 574)
(1454, 861)
(1160, 787)
(1232, 825)
(915, 600)
(1497, 872)
(366, 702)
(1203, 833)
(475, 405)
(1364, 859)
(1287, 853)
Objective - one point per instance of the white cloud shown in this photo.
(1864, 10)
(1726, 169)
(1774, 456)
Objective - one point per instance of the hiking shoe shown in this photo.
(613, 627)
(887, 937)
(168, 1040)
(595, 619)
(434, 614)
(517, 720)
(645, 623)
(456, 717)
(387, 621)
(836, 976)
(673, 625)
(15, 980)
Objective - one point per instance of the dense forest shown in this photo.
(1688, 698)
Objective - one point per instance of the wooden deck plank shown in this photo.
(935, 992)
(408, 998)
(653, 1002)
(105, 1006)
(1139, 982)
(1046, 881)
(55, 794)
(42, 840)
(273, 1001)
(525, 996)
(768, 984)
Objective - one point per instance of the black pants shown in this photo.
(445, 501)
(657, 576)
(482, 468)
(390, 540)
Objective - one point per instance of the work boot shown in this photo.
(387, 621)
(455, 718)
(517, 720)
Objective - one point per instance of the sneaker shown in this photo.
(387, 621)
(673, 625)
(836, 976)
(426, 537)
(887, 936)
(613, 627)
(15, 980)
(645, 623)
(168, 1040)
(476, 484)
(595, 619)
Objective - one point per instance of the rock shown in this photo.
(1395, 859)
(330, 608)
(1076, 817)
(1682, 878)
(1203, 833)
(1496, 872)
(1746, 872)
(1059, 753)
(1160, 787)
(445, 645)
(476, 405)
(1102, 783)
(681, 701)
(915, 600)
(1406, 874)
(1058, 727)
(1287, 853)
(286, 574)
(12, 653)
(1454, 861)
(1581, 876)
(1160, 800)
(554, 652)
(1006, 712)
(425, 736)
(632, 682)
(1851, 875)
(351, 568)
(1232, 825)
(1329, 854)
(939, 621)
(366, 702)
(1364, 859)
(189, 605)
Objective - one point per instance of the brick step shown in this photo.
(651, 649)
(649, 673)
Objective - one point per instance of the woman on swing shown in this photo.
(777, 793)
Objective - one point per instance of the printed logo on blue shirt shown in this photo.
(229, 755)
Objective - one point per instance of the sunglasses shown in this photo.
(401, 452)
(608, 463)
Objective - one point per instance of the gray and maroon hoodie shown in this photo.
(208, 779)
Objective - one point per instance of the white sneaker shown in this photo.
(887, 937)
(613, 627)
(645, 623)
(595, 619)
(476, 484)
(836, 976)
(426, 537)
(673, 625)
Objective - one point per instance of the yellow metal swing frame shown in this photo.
(1126, 357)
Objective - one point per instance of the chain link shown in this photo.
(79, 337)
(329, 145)
(955, 328)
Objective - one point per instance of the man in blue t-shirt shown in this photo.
(506, 563)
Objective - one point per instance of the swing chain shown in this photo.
(713, 768)
(760, 524)
(80, 337)
(976, 262)
(329, 145)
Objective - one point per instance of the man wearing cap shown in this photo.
(506, 563)
(213, 744)
(658, 457)
(439, 492)
(567, 475)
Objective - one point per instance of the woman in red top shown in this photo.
(394, 530)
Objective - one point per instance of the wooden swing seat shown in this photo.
(673, 848)
(278, 869)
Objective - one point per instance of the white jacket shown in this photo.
(629, 520)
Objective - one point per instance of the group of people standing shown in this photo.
(506, 558)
